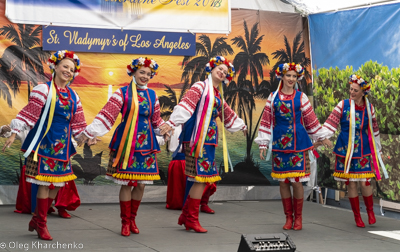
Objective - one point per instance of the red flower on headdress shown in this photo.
(147, 62)
(130, 68)
(69, 54)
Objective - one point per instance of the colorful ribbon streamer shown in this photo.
(376, 155)
(203, 116)
(130, 130)
(352, 133)
(271, 128)
(50, 105)
(224, 144)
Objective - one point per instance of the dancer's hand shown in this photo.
(165, 128)
(327, 143)
(263, 153)
(5, 129)
(93, 141)
(317, 144)
(245, 132)
(9, 141)
(82, 139)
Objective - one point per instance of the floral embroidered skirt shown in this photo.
(293, 167)
(144, 169)
(202, 169)
(47, 171)
(361, 169)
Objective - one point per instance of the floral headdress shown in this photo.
(364, 85)
(139, 62)
(216, 61)
(283, 68)
(63, 54)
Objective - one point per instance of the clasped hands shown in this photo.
(82, 139)
(326, 143)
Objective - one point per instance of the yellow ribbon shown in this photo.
(51, 115)
(224, 144)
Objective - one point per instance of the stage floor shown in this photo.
(96, 227)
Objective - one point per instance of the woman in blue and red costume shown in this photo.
(289, 122)
(134, 146)
(359, 129)
(53, 115)
(198, 111)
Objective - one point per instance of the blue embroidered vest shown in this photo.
(146, 141)
(361, 143)
(57, 143)
(289, 134)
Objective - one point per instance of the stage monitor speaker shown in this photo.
(266, 242)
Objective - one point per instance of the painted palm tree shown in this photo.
(294, 53)
(193, 67)
(24, 60)
(167, 102)
(250, 60)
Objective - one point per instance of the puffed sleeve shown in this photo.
(264, 133)
(30, 114)
(186, 107)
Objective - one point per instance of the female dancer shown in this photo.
(359, 130)
(198, 111)
(134, 146)
(290, 122)
(54, 112)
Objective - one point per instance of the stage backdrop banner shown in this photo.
(212, 16)
(365, 42)
(116, 41)
(254, 55)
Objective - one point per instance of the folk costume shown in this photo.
(53, 115)
(67, 197)
(359, 130)
(133, 147)
(290, 121)
(198, 111)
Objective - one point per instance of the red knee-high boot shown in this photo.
(51, 209)
(288, 209)
(204, 202)
(135, 206)
(125, 217)
(40, 218)
(369, 204)
(355, 206)
(298, 213)
(183, 216)
(192, 220)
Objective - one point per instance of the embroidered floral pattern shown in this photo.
(53, 165)
(284, 109)
(296, 160)
(142, 138)
(285, 140)
(212, 132)
(278, 161)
